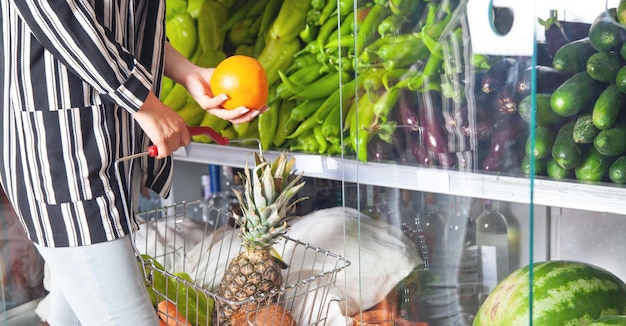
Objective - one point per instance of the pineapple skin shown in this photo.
(253, 272)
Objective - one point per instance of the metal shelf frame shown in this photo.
(596, 197)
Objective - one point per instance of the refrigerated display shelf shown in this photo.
(597, 197)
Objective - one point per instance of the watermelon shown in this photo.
(564, 293)
(610, 320)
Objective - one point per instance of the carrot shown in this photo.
(170, 315)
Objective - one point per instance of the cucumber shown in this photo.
(542, 147)
(576, 94)
(544, 115)
(605, 33)
(620, 79)
(610, 142)
(608, 107)
(603, 66)
(565, 151)
(584, 130)
(573, 56)
(540, 165)
(617, 170)
(593, 166)
(554, 170)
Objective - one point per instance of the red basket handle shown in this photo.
(196, 131)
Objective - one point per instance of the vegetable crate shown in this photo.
(184, 249)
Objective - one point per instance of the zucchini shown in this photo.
(593, 166)
(576, 94)
(555, 171)
(608, 107)
(584, 130)
(565, 151)
(605, 33)
(603, 66)
(544, 115)
(542, 146)
(617, 170)
(610, 142)
(572, 57)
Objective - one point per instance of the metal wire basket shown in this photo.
(186, 237)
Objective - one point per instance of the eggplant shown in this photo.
(575, 30)
(547, 80)
(381, 151)
(484, 129)
(497, 76)
(554, 33)
(434, 135)
(419, 150)
(505, 143)
(407, 115)
(542, 55)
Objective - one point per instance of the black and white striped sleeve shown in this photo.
(70, 31)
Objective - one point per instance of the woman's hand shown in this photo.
(197, 83)
(165, 128)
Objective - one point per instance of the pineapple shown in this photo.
(267, 203)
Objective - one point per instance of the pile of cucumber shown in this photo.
(580, 126)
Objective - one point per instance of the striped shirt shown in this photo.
(72, 72)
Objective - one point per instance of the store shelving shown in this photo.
(598, 197)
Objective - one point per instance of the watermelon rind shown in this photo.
(564, 293)
(610, 321)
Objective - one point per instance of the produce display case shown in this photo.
(453, 108)
(433, 117)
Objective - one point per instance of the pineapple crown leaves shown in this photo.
(267, 201)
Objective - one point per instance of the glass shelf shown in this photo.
(598, 197)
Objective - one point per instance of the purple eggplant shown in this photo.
(496, 77)
(407, 112)
(504, 146)
(554, 33)
(420, 152)
(434, 134)
(484, 129)
(381, 151)
(547, 80)
(575, 30)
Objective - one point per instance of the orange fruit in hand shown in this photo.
(243, 79)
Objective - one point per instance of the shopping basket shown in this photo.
(172, 238)
(170, 235)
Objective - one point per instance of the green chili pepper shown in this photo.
(327, 11)
(269, 13)
(285, 125)
(386, 103)
(229, 132)
(302, 76)
(252, 132)
(347, 24)
(404, 8)
(309, 33)
(305, 109)
(324, 86)
(241, 128)
(366, 32)
(343, 93)
(318, 4)
(257, 9)
(350, 114)
(329, 26)
(301, 62)
(429, 72)
(306, 143)
(182, 33)
(213, 122)
(372, 82)
(313, 17)
(241, 34)
(305, 125)
(237, 16)
(346, 41)
(393, 75)
(332, 125)
(392, 25)
(311, 47)
(268, 121)
(360, 126)
(345, 7)
(321, 140)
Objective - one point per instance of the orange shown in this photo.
(243, 79)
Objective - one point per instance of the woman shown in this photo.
(79, 89)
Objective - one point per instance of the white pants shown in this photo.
(97, 285)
